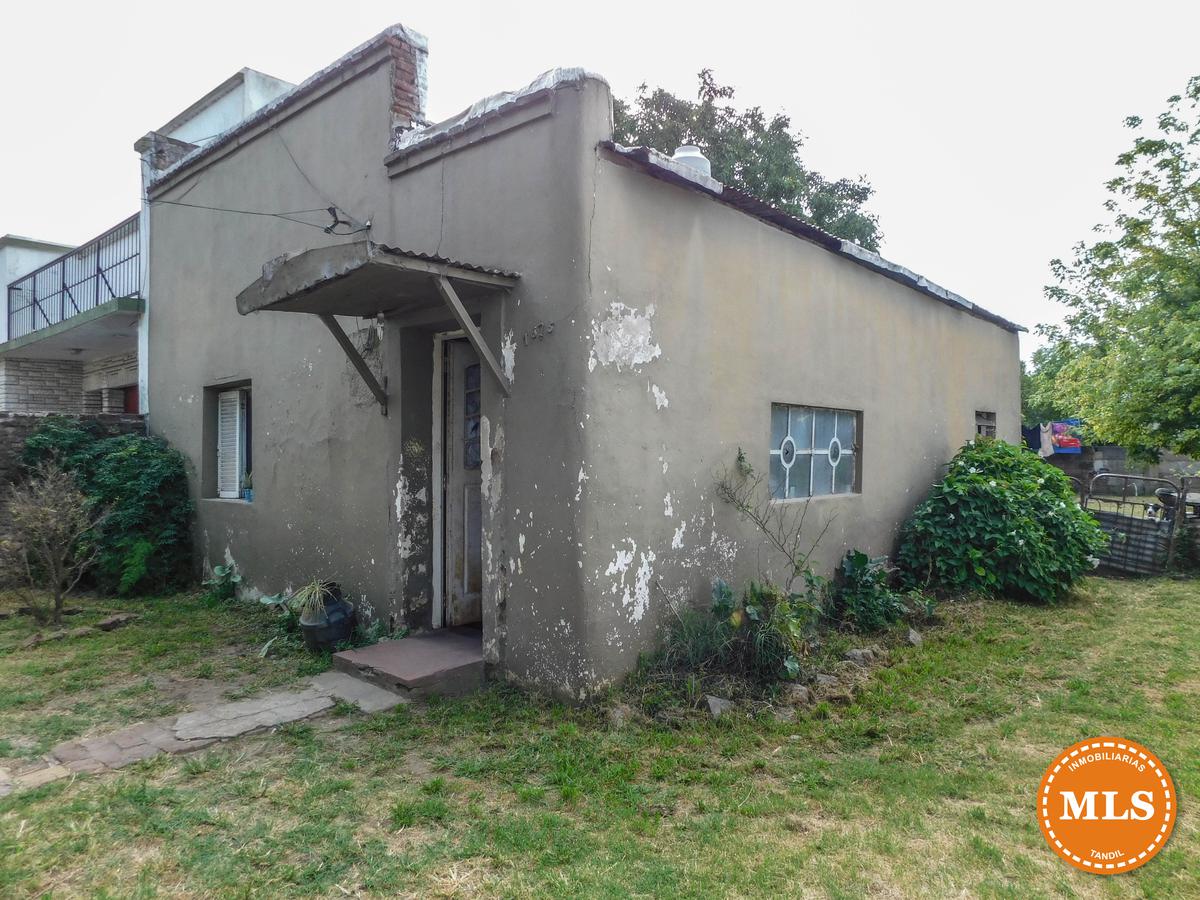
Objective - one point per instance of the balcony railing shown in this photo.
(103, 269)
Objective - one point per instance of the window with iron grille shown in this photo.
(814, 451)
(985, 424)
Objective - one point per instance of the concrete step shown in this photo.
(447, 662)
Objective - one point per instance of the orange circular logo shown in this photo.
(1106, 805)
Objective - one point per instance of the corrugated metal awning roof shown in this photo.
(363, 279)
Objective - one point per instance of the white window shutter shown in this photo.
(231, 411)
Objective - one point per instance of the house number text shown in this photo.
(539, 331)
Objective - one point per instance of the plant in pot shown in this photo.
(326, 619)
(248, 487)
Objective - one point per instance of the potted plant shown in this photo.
(248, 487)
(326, 619)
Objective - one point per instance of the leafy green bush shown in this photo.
(862, 598)
(142, 483)
(1001, 521)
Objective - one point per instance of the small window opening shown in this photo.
(985, 424)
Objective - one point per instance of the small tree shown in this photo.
(53, 539)
(783, 525)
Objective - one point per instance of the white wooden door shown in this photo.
(463, 518)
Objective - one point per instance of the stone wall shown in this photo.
(67, 387)
(41, 386)
(111, 372)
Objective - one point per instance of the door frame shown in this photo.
(438, 476)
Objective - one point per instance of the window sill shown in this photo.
(235, 500)
(818, 497)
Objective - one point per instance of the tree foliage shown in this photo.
(141, 481)
(1039, 394)
(749, 151)
(1127, 358)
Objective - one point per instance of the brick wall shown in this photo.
(408, 82)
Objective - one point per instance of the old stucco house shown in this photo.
(482, 372)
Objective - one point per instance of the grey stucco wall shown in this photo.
(520, 201)
(341, 491)
(706, 318)
(323, 493)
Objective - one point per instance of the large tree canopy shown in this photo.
(1127, 358)
(751, 152)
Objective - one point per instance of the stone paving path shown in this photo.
(199, 729)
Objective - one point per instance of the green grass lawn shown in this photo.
(922, 787)
(181, 651)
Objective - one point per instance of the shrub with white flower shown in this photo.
(1002, 521)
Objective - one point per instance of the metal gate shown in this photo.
(1141, 517)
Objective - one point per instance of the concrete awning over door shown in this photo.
(365, 279)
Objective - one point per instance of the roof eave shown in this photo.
(662, 167)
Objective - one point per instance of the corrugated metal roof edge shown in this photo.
(660, 166)
(447, 261)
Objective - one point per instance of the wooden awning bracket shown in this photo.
(446, 289)
(356, 360)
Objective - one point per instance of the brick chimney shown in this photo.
(409, 52)
(160, 151)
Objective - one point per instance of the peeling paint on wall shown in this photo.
(404, 540)
(624, 339)
(668, 509)
(677, 538)
(660, 397)
(508, 356)
(583, 476)
(641, 588)
(635, 597)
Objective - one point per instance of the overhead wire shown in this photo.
(335, 211)
(286, 215)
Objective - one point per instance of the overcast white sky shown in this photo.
(988, 134)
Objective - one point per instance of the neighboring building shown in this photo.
(20, 255)
(567, 340)
(75, 316)
(71, 330)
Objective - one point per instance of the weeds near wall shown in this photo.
(222, 585)
(863, 598)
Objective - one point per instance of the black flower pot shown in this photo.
(333, 627)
